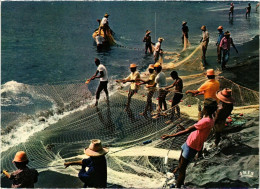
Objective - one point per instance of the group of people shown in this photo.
(248, 9)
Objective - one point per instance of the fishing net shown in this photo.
(67, 121)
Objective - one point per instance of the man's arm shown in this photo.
(233, 45)
(5, 172)
(188, 130)
(101, 74)
(67, 164)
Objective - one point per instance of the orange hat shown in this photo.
(210, 72)
(220, 28)
(132, 65)
(156, 65)
(106, 15)
(225, 95)
(151, 66)
(20, 157)
(203, 28)
(95, 148)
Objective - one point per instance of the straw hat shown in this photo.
(95, 148)
(133, 66)
(160, 39)
(227, 33)
(210, 72)
(148, 31)
(225, 95)
(151, 66)
(203, 27)
(156, 65)
(106, 15)
(184, 22)
(220, 28)
(20, 157)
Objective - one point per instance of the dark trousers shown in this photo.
(219, 54)
(148, 46)
(176, 100)
(225, 58)
(162, 101)
(102, 86)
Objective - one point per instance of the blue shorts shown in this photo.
(188, 152)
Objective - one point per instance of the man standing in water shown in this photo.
(248, 10)
(185, 35)
(157, 49)
(102, 71)
(148, 42)
(225, 46)
(220, 36)
(231, 10)
(204, 44)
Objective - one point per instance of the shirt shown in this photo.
(225, 43)
(205, 36)
(224, 110)
(104, 21)
(96, 176)
(147, 39)
(161, 80)
(151, 81)
(134, 76)
(157, 47)
(220, 36)
(197, 138)
(24, 178)
(99, 39)
(210, 88)
(102, 68)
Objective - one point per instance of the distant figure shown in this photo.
(220, 36)
(99, 40)
(225, 108)
(231, 10)
(148, 42)
(225, 46)
(104, 25)
(204, 43)
(161, 83)
(23, 177)
(102, 71)
(199, 133)
(134, 78)
(96, 175)
(185, 36)
(256, 7)
(248, 10)
(157, 49)
(178, 84)
(151, 89)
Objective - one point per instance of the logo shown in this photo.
(248, 174)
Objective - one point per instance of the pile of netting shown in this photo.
(136, 157)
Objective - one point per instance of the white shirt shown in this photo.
(157, 47)
(104, 21)
(205, 35)
(102, 68)
(99, 39)
(161, 80)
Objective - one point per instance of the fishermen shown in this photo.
(199, 133)
(208, 89)
(204, 43)
(178, 84)
(225, 47)
(99, 40)
(134, 78)
(220, 36)
(102, 71)
(157, 49)
(23, 177)
(148, 42)
(185, 35)
(161, 83)
(248, 10)
(151, 89)
(225, 108)
(104, 25)
(96, 175)
(231, 10)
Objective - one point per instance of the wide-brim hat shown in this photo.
(148, 31)
(20, 157)
(203, 27)
(225, 95)
(184, 22)
(220, 28)
(227, 33)
(151, 66)
(95, 148)
(133, 65)
(106, 15)
(160, 39)
(210, 72)
(156, 65)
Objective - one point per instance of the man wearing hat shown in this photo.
(157, 49)
(151, 89)
(134, 78)
(104, 25)
(148, 42)
(225, 47)
(204, 44)
(231, 10)
(225, 108)
(185, 31)
(96, 176)
(23, 177)
(220, 36)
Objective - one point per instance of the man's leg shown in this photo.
(150, 49)
(130, 94)
(99, 89)
(219, 54)
(183, 163)
(105, 89)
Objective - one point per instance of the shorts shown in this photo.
(188, 152)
